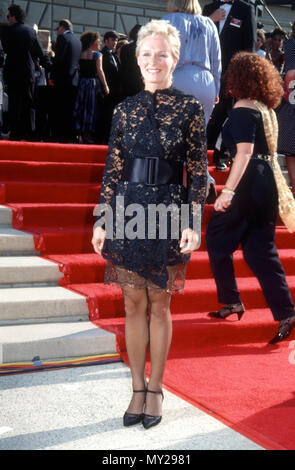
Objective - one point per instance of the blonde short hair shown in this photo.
(185, 6)
(261, 35)
(160, 28)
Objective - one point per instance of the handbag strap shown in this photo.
(285, 197)
(270, 124)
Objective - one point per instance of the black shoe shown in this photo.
(220, 158)
(227, 310)
(212, 195)
(284, 330)
(151, 420)
(129, 419)
(221, 166)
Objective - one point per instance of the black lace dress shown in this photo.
(166, 124)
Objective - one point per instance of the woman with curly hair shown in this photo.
(246, 210)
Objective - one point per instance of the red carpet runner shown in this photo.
(224, 367)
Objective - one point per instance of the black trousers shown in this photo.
(21, 110)
(110, 102)
(250, 221)
(218, 116)
(63, 125)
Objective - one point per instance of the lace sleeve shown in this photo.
(114, 161)
(196, 161)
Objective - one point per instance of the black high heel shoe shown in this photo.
(284, 330)
(150, 420)
(227, 310)
(129, 419)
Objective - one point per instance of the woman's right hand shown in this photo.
(223, 202)
(189, 241)
(98, 239)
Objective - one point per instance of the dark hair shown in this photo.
(250, 76)
(17, 12)
(88, 38)
(65, 24)
(278, 32)
(132, 35)
(293, 30)
(110, 34)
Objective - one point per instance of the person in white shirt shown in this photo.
(236, 24)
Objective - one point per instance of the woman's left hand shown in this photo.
(189, 241)
(223, 202)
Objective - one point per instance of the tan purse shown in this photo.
(286, 199)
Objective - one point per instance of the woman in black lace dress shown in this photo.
(153, 134)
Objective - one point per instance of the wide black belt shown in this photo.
(153, 171)
(258, 156)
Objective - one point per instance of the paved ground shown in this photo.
(81, 409)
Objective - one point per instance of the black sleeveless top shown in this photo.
(88, 66)
(244, 125)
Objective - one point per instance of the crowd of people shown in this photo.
(90, 76)
(188, 81)
(66, 93)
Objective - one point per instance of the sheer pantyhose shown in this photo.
(148, 322)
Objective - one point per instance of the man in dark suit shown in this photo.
(22, 46)
(65, 77)
(131, 79)
(236, 23)
(111, 68)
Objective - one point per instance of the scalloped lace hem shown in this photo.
(124, 277)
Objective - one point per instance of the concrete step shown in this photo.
(17, 271)
(5, 215)
(40, 305)
(20, 343)
(15, 242)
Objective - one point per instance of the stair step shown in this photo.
(89, 267)
(53, 241)
(54, 341)
(64, 241)
(199, 295)
(15, 242)
(24, 192)
(41, 304)
(55, 215)
(53, 152)
(5, 215)
(25, 270)
(51, 171)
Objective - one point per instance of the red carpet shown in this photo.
(224, 367)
